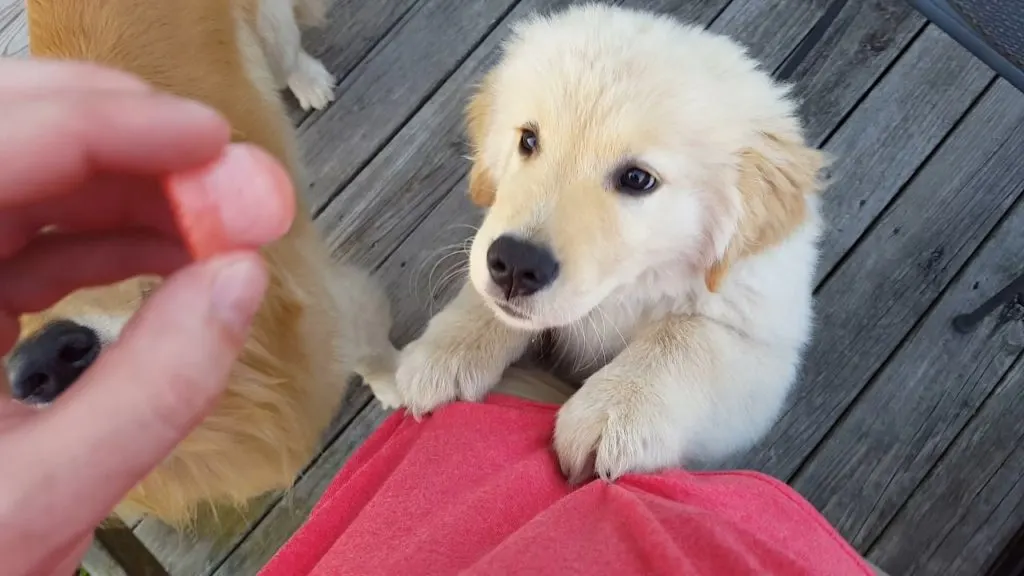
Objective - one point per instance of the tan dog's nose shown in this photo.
(46, 364)
(519, 267)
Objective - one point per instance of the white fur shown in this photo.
(674, 373)
(278, 28)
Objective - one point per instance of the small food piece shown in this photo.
(198, 219)
(241, 201)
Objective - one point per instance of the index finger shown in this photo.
(54, 144)
(40, 76)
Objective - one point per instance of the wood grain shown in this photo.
(13, 29)
(384, 90)
(892, 132)
(970, 504)
(917, 404)
(768, 32)
(99, 562)
(877, 295)
(858, 49)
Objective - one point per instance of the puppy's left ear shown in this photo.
(775, 178)
(478, 117)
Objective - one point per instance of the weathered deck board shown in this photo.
(917, 405)
(858, 49)
(388, 87)
(892, 132)
(13, 29)
(961, 515)
(923, 396)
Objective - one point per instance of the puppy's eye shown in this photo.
(636, 181)
(527, 142)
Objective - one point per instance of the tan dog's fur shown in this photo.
(684, 309)
(317, 324)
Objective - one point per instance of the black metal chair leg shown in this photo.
(965, 323)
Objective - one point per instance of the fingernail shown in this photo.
(238, 289)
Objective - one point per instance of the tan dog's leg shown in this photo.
(462, 355)
(686, 389)
(308, 79)
(366, 320)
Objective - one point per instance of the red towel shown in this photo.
(475, 489)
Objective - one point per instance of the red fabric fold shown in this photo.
(475, 489)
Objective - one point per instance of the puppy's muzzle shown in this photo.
(519, 267)
(43, 366)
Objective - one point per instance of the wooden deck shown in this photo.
(907, 435)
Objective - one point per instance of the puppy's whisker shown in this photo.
(608, 321)
(592, 359)
(433, 269)
(446, 280)
(437, 293)
(579, 351)
(437, 256)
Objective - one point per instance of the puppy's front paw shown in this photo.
(311, 83)
(611, 427)
(432, 372)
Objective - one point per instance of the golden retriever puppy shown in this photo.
(652, 211)
(319, 322)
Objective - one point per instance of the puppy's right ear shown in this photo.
(478, 116)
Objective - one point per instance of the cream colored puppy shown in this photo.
(651, 208)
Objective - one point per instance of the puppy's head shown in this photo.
(608, 143)
(58, 344)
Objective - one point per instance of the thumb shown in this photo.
(149, 389)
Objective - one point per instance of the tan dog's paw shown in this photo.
(610, 428)
(311, 83)
(434, 372)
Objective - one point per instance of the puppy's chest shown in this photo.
(576, 351)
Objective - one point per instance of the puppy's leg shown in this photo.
(461, 355)
(366, 322)
(306, 76)
(686, 389)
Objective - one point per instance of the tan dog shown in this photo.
(652, 208)
(318, 323)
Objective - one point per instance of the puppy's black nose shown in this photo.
(43, 366)
(520, 268)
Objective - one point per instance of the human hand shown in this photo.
(82, 159)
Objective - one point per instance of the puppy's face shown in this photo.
(58, 344)
(608, 143)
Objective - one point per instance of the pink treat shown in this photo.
(240, 201)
